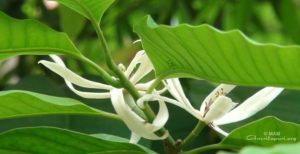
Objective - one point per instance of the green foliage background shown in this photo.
(275, 21)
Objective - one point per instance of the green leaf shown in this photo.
(71, 22)
(47, 140)
(91, 9)
(223, 57)
(29, 37)
(16, 104)
(267, 131)
(120, 139)
(278, 149)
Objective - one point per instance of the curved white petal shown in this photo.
(251, 106)
(175, 89)
(222, 89)
(8, 65)
(219, 108)
(90, 95)
(134, 138)
(144, 86)
(161, 118)
(59, 68)
(137, 41)
(156, 97)
(144, 68)
(219, 130)
(135, 61)
(135, 123)
(160, 91)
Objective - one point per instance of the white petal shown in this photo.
(161, 90)
(144, 86)
(251, 106)
(219, 108)
(156, 97)
(7, 65)
(137, 41)
(161, 117)
(144, 68)
(135, 61)
(90, 95)
(134, 138)
(147, 85)
(59, 68)
(219, 130)
(177, 92)
(222, 89)
(135, 123)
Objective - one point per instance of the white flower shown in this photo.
(217, 109)
(138, 126)
(137, 69)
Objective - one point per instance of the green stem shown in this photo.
(111, 64)
(154, 84)
(169, 141)
(148, 114)
(211, 147)
(193, 134)
(106, 77)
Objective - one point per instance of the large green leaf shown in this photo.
(16, 104)
(277, 149)
(227, 57)
(47, 140)
(24, 37)
(71, 22)
(264, 132)
(91, 9)
(120, 139)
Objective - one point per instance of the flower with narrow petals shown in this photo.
(217, 109)
(139, 67)
(139, 126)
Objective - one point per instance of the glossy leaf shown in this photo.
(223, 57)
(91, 9)
(277, 149)
(71, 22)
(46, 140)
(264, 132)
(16, 104)
(29, 37)
(120, 139)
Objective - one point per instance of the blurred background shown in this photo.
(276, 21)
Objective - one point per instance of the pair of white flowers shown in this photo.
(217, 109)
